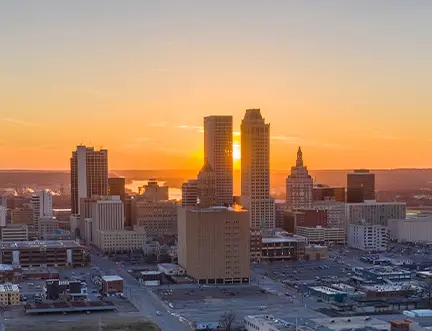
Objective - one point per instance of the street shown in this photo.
(144, 300)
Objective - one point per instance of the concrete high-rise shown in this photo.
(116, 186)
(41, 203)
(299, 186)
(218, 131)
(89, 174)
(206, 186)
(360, 186)
(255, 170)
(213, 244)
(107, 214)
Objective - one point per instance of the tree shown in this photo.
(227, 320)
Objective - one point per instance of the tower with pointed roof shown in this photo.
(299, 185)
(255, 170)
(207, 185)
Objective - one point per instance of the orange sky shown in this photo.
(350, 84)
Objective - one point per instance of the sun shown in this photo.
(236, 155)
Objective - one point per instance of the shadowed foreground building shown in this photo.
(213, 244)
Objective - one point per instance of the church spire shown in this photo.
(299, 162)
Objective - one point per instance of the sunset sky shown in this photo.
(349, 81)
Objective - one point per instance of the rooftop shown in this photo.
(351, 323)
(269, 240)
(6, 267)
(39, 244)
(9, 288)
(150, 272)
(386, 270)
(111, 278)
(275, 323)
(216, 209)
(169, 265)
(327, 290)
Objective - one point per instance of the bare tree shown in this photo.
(227, 320)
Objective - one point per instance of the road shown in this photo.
(144, 300)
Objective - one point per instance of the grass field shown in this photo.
(86, 324)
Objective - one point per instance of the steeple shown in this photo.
(207, 166)
(299, 162)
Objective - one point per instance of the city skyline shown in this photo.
(346, 81)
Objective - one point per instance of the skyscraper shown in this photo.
(89, 174)
(206, 185)
(255, 170)
(41, 203)
(116, 186)
(190, 193)
(218, 151)
(360, 186)
(299, 185)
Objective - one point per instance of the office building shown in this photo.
(280, 208)
(157, 218)
(48, 226)
(218, 140)
(65, 253)
(282, 248)
(360, 186)
(374, 213)
(190, 193)
(22, 215)
(15, 232)
(4, 201)
(113, 241)
(255, 170)
(153, 192)
(112, 285)
(368, 238)
(322, 236)
(116, 186)
(206, 181)
(9, 295)
(414, 229)
(213, 244)
(299, 185)
(324, 192)
(89, 174)
(107, 214)
(3, 214)
(335, 212)
(41, 203)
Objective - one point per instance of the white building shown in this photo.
(41, 203)
(335, 212)
(107, 214)
(374, 213)
(322, 235)
(255, 170)
(412, 229)
(370, 238)
(3, 213)
(270, 323)
(299, 186)
(218, 141)
(120, 240)
(15, 232)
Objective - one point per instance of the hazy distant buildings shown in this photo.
(360, 186)
(89, 174)
(156, 218)
(370, 238)
(323, 192)
(3, 201)
(206, 181)
(116, 186)
(154, 192)
(22, 215)
(255, 170)
(3, 213)
(190, 193)
(218, 131)
(213, 244)
(299, 185)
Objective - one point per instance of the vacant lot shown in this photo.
(106, 324)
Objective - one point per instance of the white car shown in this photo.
(158, 313)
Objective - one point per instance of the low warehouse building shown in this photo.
(112, 285)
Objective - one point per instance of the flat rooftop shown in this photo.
(386, 271)
(269, 240)
(169, 265)
(275, 323)
(150, 272)
(351, 323)
(217, 209)
(111, 278)
(39, 244)
(6, 267)
(9, 288)
(327, 290)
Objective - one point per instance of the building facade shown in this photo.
(157, 218)
(89, 174)
(107, 214)
(369, 238)
(299, 185)
(9, 295)
(3, 214)
(213, 244)
(15, 232)
(374, 213)
(255, 170)
(218, 140)
(153, 192)
(117, 186)
(335, 212)
(22, 215)
(320, 235)
(42, 206)
(190, 193)
(360, 186)
(121, 240)
(414, 229)
(206, 181)
(47, 226)
(323, 192)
